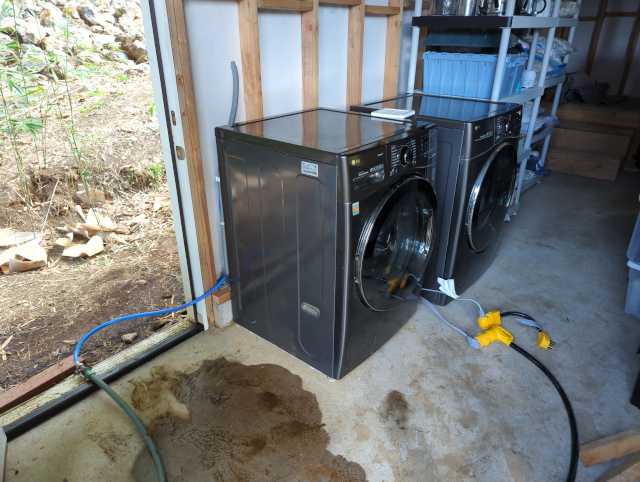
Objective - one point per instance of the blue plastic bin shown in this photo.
(470, 75)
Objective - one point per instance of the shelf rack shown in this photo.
(506, 23)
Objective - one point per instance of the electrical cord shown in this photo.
(573, 466)
(90, 375)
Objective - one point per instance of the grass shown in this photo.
(96, 106)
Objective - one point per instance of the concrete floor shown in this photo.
(486, 415)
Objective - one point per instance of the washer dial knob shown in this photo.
(406, 156)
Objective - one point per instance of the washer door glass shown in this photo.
(490, 195)
(395, 245)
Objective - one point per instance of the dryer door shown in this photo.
(490, 195)
(395, 244)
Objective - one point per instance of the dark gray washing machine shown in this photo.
(330, 222)
(477, 164)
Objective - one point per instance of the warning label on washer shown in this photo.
(310, 169)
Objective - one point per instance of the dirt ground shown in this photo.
(46, 311)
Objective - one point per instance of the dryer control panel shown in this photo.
(508, 125)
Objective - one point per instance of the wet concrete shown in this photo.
(244, 423)
(425, 406)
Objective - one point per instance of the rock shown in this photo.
(87, 13)
(167, 294)
(50, 14)
(117, 55)
(72, 9)
(141, 282)
(59, 69)
(129, 337)
(57, 3)
(95, 3)
(133, 45)
(97, 29)
(30, 32)
(159, 324)
(119, 11)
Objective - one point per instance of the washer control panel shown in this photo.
(508, 125)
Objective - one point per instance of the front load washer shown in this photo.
(329, 222)
(476, 170)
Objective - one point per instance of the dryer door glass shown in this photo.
(395, 244)
(490, 195)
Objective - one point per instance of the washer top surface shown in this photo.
(327, 130)
(439, 107)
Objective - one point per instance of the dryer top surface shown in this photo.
(325, 130)
(433, 107)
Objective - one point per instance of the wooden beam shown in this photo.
(379, 10)
(250, 49)
(37, 384)
(610, 448)
(595, 37)
(193, 158)
(392, 51)
(221, 295)
(628, 471)
(297, 5)
(354, 55)
(631, 50)
(310, 58)
(341, 2)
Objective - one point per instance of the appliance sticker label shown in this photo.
(310, 169)
(355, 209)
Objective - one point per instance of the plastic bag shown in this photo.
(555, 68)
(568, 8)
(560, 46)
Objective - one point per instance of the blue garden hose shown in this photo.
(90, 375)
(76, 352)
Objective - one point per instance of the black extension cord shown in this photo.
(573, 466)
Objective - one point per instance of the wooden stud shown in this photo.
(631, 50)
(381, 10)
(221, 295)
(250, 49)
(595, 37)
(392, 51)
(186, 98)
(610, 448)
(341, 2)
(297, 5)
(355, 50)
(310, 58)
(628, 471)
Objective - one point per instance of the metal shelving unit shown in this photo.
(506, 23)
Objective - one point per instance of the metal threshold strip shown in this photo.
(40, 408)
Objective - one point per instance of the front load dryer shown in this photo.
(476, 171)
(330, 222)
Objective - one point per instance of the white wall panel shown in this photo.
(280, 61)
(632, 87)
(581, 40)
(334, 35)
(609, 61)
(405, 51)
(214, 41)
(375, 41)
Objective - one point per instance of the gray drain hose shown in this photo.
(236, 86)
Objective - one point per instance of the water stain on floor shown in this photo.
(396, 409)
(245, 424)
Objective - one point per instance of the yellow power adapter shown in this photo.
(490, 319)
(495, 333)
(544, 341)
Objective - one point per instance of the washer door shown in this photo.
(395, 244)
(490, 195)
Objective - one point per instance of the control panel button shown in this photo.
(406, 156)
